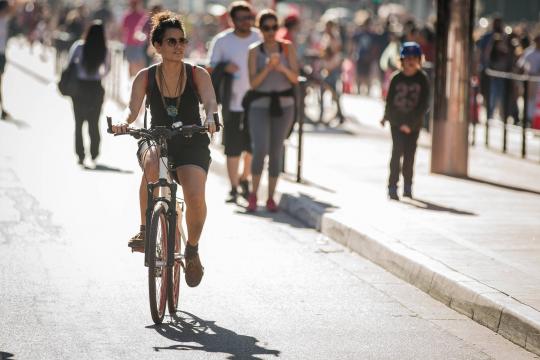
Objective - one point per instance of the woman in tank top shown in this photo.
(174, 93)
(273, 71)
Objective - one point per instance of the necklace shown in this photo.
(172, 110)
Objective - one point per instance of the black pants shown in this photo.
(87, 107)
(403, 145)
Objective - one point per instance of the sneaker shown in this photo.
(5, 115)
(90, 164)
(392, 194)
(244, 187)
(194, 270)
(252, 203)
(81, 162)
(232, 197)
(136, 243)
(271, 205)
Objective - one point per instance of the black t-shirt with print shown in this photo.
(407, 100)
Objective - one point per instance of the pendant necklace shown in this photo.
(172, 110)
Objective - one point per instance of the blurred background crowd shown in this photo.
(354, 45)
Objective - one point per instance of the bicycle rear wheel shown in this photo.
(157, 269)
(312, 102)
(329, 106)
(173, 281)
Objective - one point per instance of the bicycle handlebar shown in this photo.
(167, 133)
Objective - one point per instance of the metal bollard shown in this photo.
(525, 120)
(300, 117)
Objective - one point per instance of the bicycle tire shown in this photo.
(157, 269)
(175, 274)
(312, 102)
(329, 105)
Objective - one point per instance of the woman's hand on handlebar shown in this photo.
(210, 124)
(120, 128)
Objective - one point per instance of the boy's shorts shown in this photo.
(236, 134)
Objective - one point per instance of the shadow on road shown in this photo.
(6, 356)
(18, 123)
(283, 215)
(101, 167)
(501, 186)
(426, 205)
(187, 329)
(278, 217)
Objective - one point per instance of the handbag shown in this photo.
(69, 82)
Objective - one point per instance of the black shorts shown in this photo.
(236, 134)
(193, 151)
(2, 63)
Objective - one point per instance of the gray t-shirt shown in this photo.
(275, 81)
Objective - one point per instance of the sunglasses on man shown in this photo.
(267, 28)
(173, 42)
(244, 18)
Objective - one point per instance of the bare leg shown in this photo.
(233, 163)
(272, 183)
(255, 180)
(193, 180)
(246, 166)
(151, 174)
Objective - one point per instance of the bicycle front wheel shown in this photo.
(157, 265)
(173, 281)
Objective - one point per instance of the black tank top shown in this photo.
(188, 109)
(188, 113)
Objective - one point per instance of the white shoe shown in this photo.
(90, 164)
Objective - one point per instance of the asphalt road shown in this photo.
(70, 288)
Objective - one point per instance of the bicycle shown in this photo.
(321, 101)
(162, 246)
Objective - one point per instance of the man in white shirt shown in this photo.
(230, 49)
(530, 63)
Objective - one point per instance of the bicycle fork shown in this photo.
(166, 198)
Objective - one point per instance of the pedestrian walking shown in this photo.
(135, 46)
(529, 63)
(93, 62)
(406, 105)
(273, 71)
(228, 56)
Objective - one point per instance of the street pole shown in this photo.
(449, 149)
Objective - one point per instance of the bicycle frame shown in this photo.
(166, 196)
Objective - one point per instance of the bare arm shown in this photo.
(138, 92)
(255, 79)
(290, 72)
(208, 96)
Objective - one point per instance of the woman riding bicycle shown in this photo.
(173, 95)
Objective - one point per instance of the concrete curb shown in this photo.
(498, 311)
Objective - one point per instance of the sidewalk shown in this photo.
(473, 244)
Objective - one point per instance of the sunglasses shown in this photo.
(244, 18)
(266, 28)
(173, 42)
